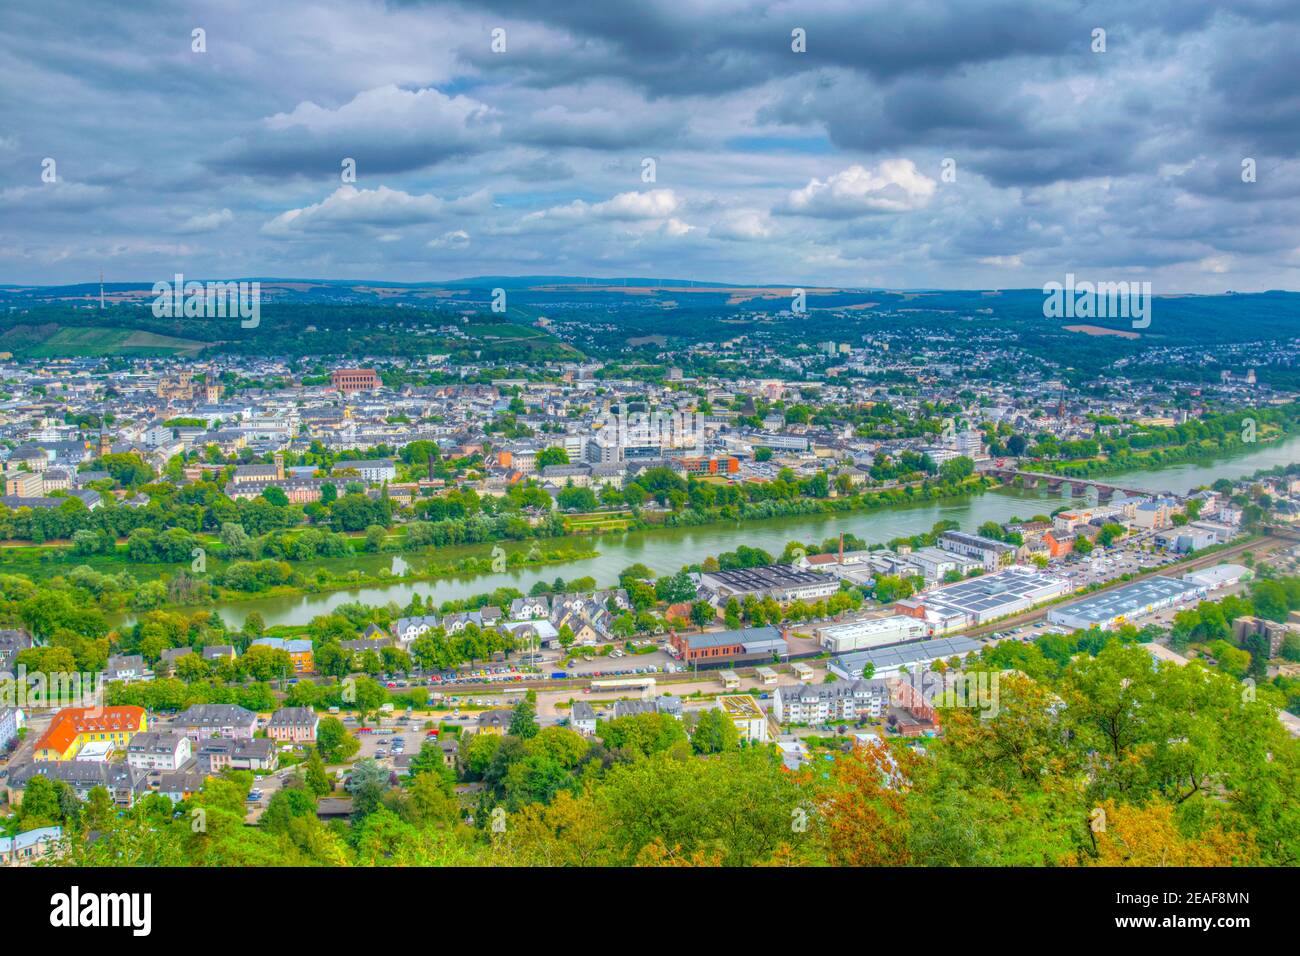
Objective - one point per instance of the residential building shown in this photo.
(123, 782)
(12, 641)
(177, 785)
(217, 753)
(127, 668)
(494, 721)
(11, 721)
(296, 725)
(375, 470)
(1246, 627)
(74, 727)
(29, 847)
(407, 629)
(217, 720)
(744, 712)
(299, 651)
(992, 553)
(582, 718)
(841, 700)
(159, 750)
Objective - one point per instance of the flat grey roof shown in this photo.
(1124, 601)
(884, 657)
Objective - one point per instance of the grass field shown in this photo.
(597, 523)
(79, 341)
(496, 337)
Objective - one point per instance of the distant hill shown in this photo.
(558, 318)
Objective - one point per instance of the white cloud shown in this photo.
(455, 238)
(894, 185)
(208, 222)
(385, 130)
(653, 204)
(348, 206)
(742, 225)
(53, 195)
(386, 107)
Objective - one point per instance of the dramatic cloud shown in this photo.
(850, 142)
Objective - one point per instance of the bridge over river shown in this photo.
(1078, 486)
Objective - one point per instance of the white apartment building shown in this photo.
(159, 750)
(373, 469)
(842, 700)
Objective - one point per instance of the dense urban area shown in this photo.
(435, 595)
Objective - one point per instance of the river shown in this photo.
(668, 549)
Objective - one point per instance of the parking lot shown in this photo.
(266, 785)
(607, 664)
(382, 743)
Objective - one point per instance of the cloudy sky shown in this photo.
(927, 143)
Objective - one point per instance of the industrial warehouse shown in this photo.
(982, 599)
(871, 632)
(1140, 598)
(890, 661)
(778, 581)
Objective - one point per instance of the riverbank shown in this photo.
(1204, 452)
(666, 549)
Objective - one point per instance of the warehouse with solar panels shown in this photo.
(1111, 609)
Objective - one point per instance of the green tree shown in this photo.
(334, 742)
(316, 777)
(523, 720)
(553, 455)
(714, 733)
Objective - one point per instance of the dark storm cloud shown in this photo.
(676, 48)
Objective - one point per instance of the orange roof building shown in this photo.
(74, 727)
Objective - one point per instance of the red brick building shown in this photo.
(349, 380)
